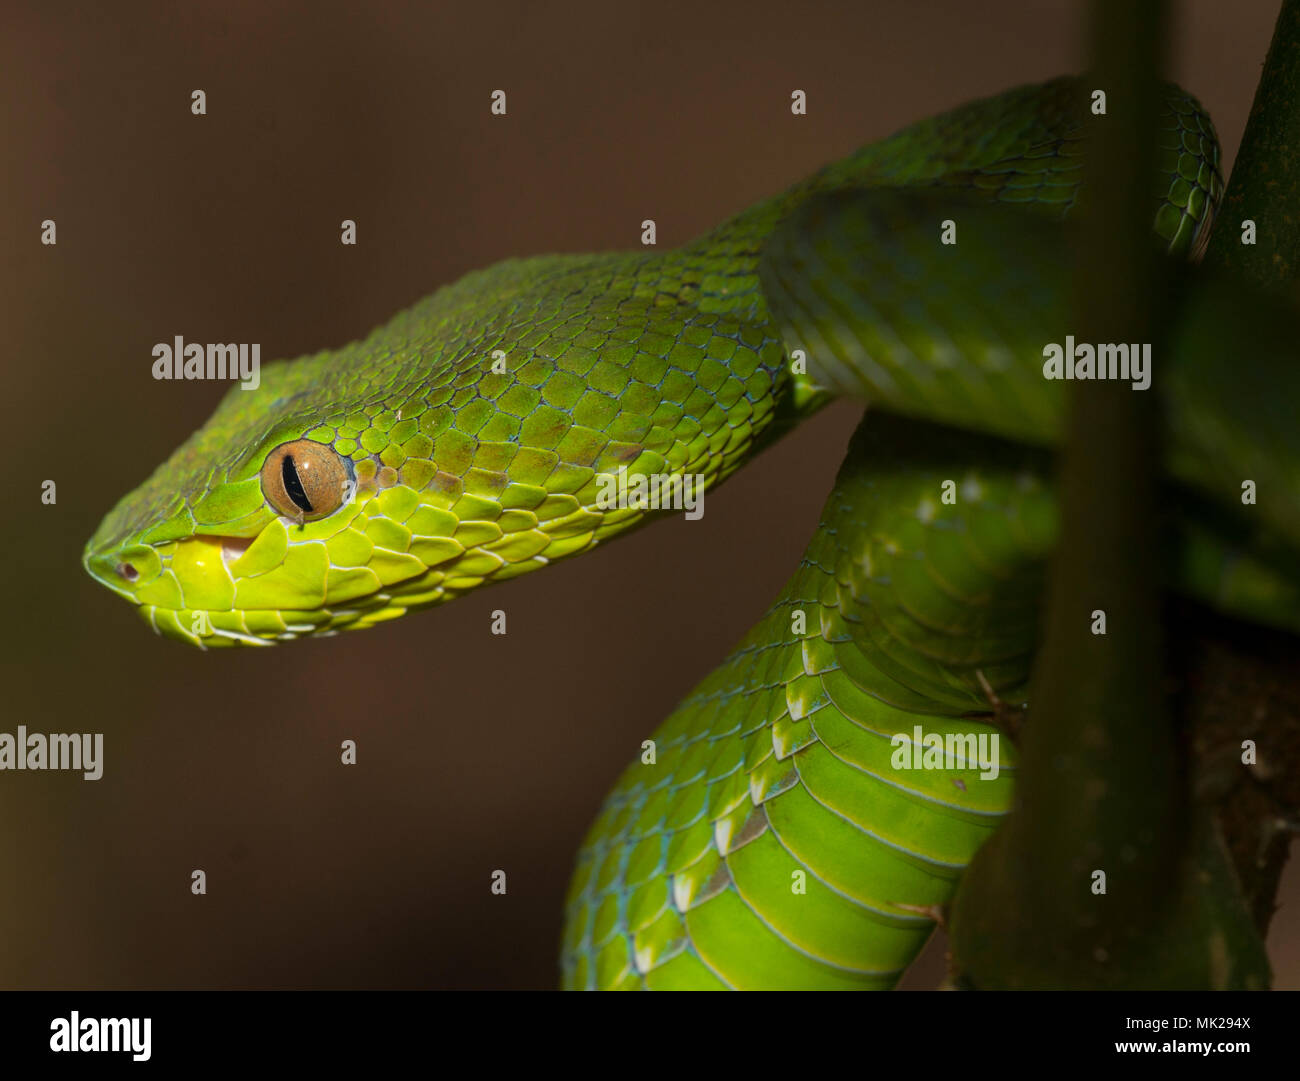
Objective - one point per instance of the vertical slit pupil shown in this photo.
(293, 485)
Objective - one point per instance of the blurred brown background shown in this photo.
(476, 752)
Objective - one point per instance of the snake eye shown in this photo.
(305, 480)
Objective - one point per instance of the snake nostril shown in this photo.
(128, 572)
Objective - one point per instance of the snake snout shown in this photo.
(123, 570)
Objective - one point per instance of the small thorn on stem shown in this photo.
(934, 912)
(988, 690)
(1005, 716)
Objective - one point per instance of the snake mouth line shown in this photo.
(201, 589)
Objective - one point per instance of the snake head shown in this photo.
(294, 531)
(329, 517)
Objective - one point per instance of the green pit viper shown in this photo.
(409, 468)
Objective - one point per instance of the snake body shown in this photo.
(768, 837)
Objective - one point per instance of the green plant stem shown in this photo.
(1102, 793)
